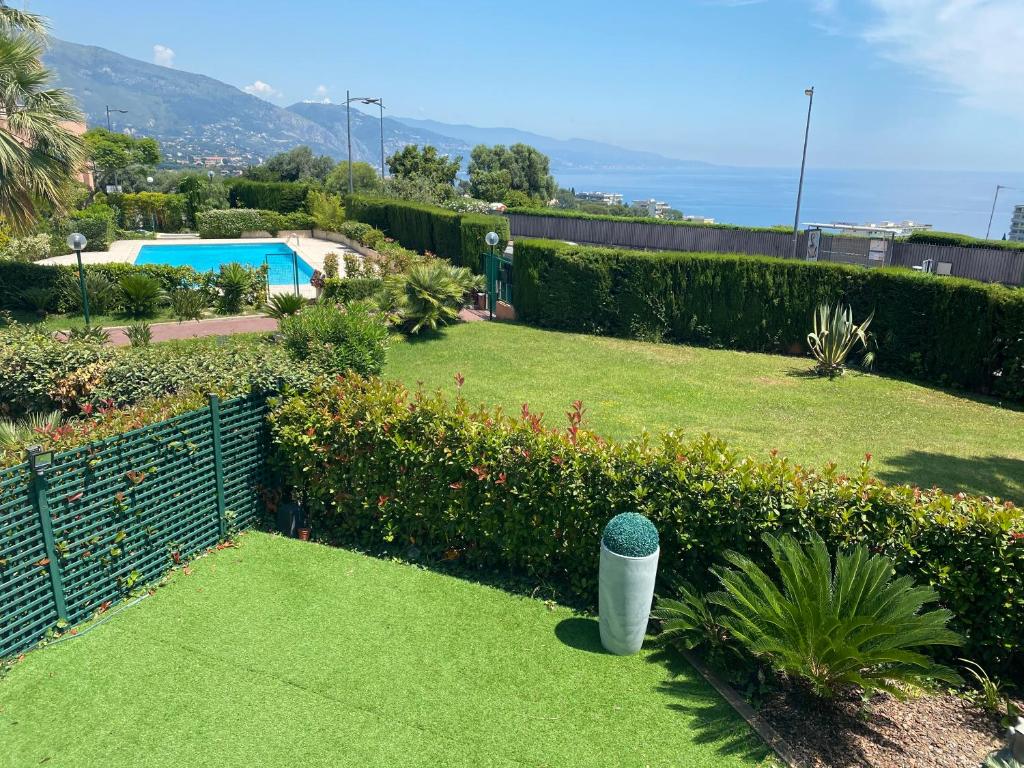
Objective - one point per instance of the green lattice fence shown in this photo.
(83, 530)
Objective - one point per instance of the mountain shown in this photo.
(565, 154)
(194, 116)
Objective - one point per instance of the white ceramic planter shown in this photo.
(625, 594)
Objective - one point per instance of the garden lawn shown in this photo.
(917, 434)
(284, 653)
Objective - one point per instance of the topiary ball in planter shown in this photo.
(629, 566)
(631, 534)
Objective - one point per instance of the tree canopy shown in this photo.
(412, 162)
(364, 178)
(494, 171)
(299, 164)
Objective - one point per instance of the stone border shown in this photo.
(761, 726)
(340, 239)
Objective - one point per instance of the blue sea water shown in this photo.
(210, 256)
(955, 201)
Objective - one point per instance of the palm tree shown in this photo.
(38, 154)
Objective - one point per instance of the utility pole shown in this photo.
(800, 189)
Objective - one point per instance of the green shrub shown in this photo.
(140, 295)
(362, 233)
(331, 265)
(28, 248)
(948, 331)
(379, 466)
(232, 223)
(962, 241)
(145, 210)
(337, 339)
(283, 304)
(233, 281)
(834, 337)
(853, 626)
(474, 229)
(103, 293)
(299, 220)
(327, 210)
(279, 196)
(93, 334)
(96, 223)
(16, 436)
(429, 295)
(630, 535)
(188, 303)
(38, 299)
(344, 290)
(139, 334)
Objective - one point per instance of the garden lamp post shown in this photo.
(491, 239)
(988, 229)
(348, 129)
(76, 242)
(809, 93)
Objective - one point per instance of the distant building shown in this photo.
(875, 229)
(209, 162)
(654, 207)
(1017, 224)
(608, 198)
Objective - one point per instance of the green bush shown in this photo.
(140, 295)
(139, 334)
(327, 210)
(282, 305)
(330, 265)
(28, 248)
(146, 210)
(337, 339)
(38, 299)
(41, 373)
(430, 294)
(298, 220)
(234, 281)
(362, 233)
(962, 241)
(103, 293)
(379, 466)
(188, 303)
(232, 223)
(280, 196)
(630, 535)
(948, 331)
(97, 223)
(344, 290)
(458, 237)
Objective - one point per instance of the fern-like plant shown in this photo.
(141, 294)
(284, 304)
(37, 298)
(104, 294)
(851, 625)
(834, 336)
(690, 623)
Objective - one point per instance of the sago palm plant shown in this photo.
(428, 296)
(834, 337)
(851, 625)
(38, 155)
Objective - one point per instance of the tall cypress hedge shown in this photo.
(948, 331)
(448, 234)
(280, 196)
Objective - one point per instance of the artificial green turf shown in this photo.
(282, 653)
(918, 435)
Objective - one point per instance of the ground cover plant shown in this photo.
(757, 403)
(402, 666)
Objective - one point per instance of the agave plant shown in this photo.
(95, 334)
(188, 304)
(428, 296)
(18, 435)
(853, 625)
(834, 337)
(142, 295)
(284, 304)
(139, 334)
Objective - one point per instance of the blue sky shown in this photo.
(900, 83)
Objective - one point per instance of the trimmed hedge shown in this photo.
(98, 229)
(458, 237)
(963, 241)
(346, 289)
(383, 469)
(948, 331)
(280, 196)
(570, 214)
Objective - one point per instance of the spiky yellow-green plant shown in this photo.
(834, 337)
(38, 155)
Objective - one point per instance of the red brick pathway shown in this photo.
(218, 326)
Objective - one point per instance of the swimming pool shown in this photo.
(210, 256)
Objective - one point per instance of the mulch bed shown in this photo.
(940, 731)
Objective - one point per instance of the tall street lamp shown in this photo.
(800, 188)
(348, 124)
(76, 242)
(988, 229)
(111, 130)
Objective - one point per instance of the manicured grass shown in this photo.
(282, 653)
(917, 434)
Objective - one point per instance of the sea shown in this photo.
(951, 201)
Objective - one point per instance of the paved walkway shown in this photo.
(217, 326)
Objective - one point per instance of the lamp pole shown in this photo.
(111, 130)
(348, 129)
(76, 242)
(803, 163)
(988, 229)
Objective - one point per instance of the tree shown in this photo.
(412, 162)
(528, 171)
(364, 178)
(120, 158)
(299, 164)
(39, 156)
(491, 186)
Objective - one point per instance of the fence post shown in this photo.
(39, 461)
(218, 463)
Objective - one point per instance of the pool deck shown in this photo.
(311, 249)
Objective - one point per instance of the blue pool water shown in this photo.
(210, 256)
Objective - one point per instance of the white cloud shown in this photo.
(163, 55)
(973, 48)
(320, 95)
(263, 90)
